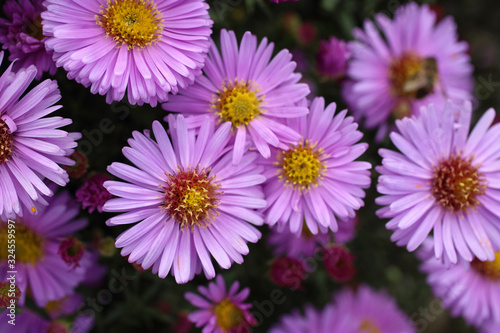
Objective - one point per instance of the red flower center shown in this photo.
(6, 142)
(71, 251)
(191, 197)
(457, 184)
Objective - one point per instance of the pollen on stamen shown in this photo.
(191, 198)
(29, 244)
(301, 165)
(457, 184)
(136, 23)
(489, 269)
(6, 142)
(237, 102)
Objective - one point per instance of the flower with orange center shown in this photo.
(443, 181)
(191, 197)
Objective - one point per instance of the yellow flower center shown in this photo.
(301, 165)
(368, 326)
(53, 307)
(136, 23)
(28, 244)
(191, 198)
(411, 77)
(229, 316)
(6, 142)
(237, 102)
(457, 184)
(489, 269)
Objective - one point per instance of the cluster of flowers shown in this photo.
(243, 148)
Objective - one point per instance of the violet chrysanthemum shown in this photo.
(190, 201)
(221, 310)
(145, 48)
(415, 61)
(286, 243)
(317, 180)
(470, 289)
(444, 181)
(351, 312)
(92, 193)
(21, 34)
(249, 90)
(31, 145)
(41, 267)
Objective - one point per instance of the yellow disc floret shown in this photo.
(457, 184)
(301, 165)
(136, 23)
(237, 102)
(191, 197)
(229, 316)
(489, 269)
(28, 244)
(368, 326)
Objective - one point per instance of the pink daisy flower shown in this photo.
(248, 89)
(332, 57)
(413, 62)
(221, 310)
(444, 181)
(190, 201)
(317, 180)
(41, 267)
(145, 48)
(31, 145)
(21, 34)
(351, 312)
(468, 289)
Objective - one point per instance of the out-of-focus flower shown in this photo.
(145, 48)
(79, 168)
(92, 193)
(339, 262)
(318, 179)
(40, 268)
(307, 33)
(414, 62)
(444, 181)
(190, 201)
(21, 34)
(247, 89)
(31, 145)
(286, 243)
(288, 272)
(347, 231)
(364, 310)
(332, 57)
(221, 310)
(470, 289)
(71, 251)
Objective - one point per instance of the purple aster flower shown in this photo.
(351, 312)
(190, 201)
(444, 181)
(145, 48)
(317, 180)
(468, 289)
(221, 310)
(38, 264)
(21, 34)
(92, 193)
(347, 231)
(331, 58)
(28, 321)
(415, 61)
(249, 90)
(31, 145)
(305, 244)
